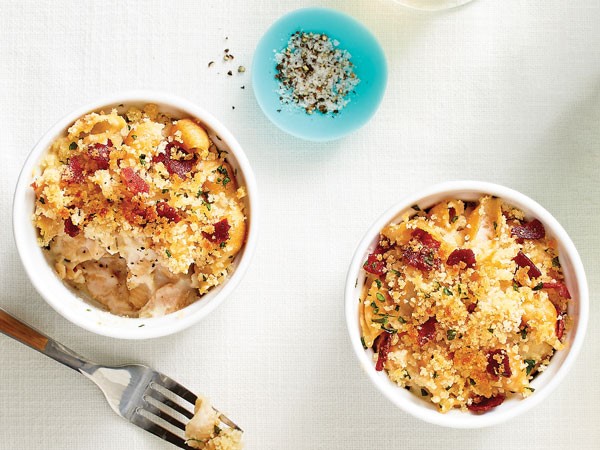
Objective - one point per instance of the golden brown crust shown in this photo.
(453, 322)
(146, 188)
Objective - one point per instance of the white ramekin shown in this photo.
(561, 362)
(64, 300)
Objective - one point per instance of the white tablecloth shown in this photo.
(505, 91)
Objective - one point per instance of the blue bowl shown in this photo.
(369, 65)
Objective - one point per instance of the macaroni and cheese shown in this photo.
(203, 430)
(464, 303)
(139, 211)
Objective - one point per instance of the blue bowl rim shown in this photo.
(273, 118)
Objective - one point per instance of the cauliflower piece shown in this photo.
(203, 431)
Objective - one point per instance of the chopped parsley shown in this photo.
(454, 219)
(382, 321)
(378, 283)
(164, 191)
(555, 262)
(134, 137)
(222, 245)
(401, 319)
(472, 382)
(530, 365)
(73, 146)
(168, 252)
(447, 291)
(515, 286)
(538, 286)
(524, 333)
(143, 159)
(226, 180)
(451, 334)
(429, 259)
(389, 330)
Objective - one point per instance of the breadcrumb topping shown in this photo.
(204, 430)
(128, 204)
(454, 313)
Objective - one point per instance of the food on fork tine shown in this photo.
(203, 430)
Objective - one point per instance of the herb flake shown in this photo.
(530, 365)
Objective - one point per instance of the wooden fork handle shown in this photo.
(20, 331)
(13, 327)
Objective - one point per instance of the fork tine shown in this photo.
(227, 421)
(163, 415)
(183, 392)
(178, 389)
(157, 430)
(155, 394)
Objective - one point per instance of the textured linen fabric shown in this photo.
(503, 91)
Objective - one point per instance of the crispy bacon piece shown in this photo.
(494, 367)
(465, 255)
(484, 404)
(471, 307)
(560, 326)
(560, 287)
(523, 261)
(76, 168)
(373, 264)
(180, 167)
(426, 331)
(100, 155)
(135, 184)
(426, 239)
(383, 348)
(97, 158)
(425, 258)
(221, 233)
(163, 209)
(529, 230)
(70, 228)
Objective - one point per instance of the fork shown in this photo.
(145, 397)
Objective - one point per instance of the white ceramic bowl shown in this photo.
(64, 300)
(561, 362)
